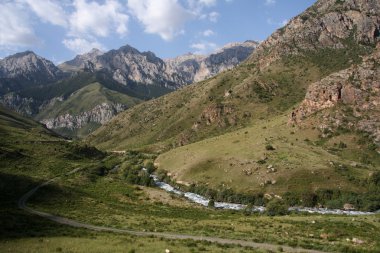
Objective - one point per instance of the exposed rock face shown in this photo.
(82, 61)
(357, 87)
(25, 106)
(195, 68)
(26, 69)
(100, 114)
(327, 24)
(218, 114)
(127, 64)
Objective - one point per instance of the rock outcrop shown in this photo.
(357, 88)
(99, 114)
(25, 106)
(326, 24)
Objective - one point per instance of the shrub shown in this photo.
(342, 145)
(277, 207)
(269, 147)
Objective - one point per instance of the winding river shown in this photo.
(196, 198)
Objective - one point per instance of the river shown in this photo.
(196, 198)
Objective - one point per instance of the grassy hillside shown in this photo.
(274, 158)
(229, 101)
(86, 99)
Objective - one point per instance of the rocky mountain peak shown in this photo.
(27, 65)
(82, 61)
(334, 24)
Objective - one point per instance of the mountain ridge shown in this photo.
(140, 75)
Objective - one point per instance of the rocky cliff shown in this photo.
(353, 93)
(332, 24)
(99, 114)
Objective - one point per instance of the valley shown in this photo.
(270, 146)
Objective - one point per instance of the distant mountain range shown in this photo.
(118, 79)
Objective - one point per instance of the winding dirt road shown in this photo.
(73, 223)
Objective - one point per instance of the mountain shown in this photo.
(23, 70)
(298, 118)
(81, 61)
(74, 106)
(127, 64)
(191, 68)
(116, 80)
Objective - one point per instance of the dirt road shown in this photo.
(73, 223)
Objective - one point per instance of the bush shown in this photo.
(277, 207)
(211, 203)
(269, 147)
(342, 145)
(150, 167)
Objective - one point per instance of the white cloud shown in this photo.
(213, 16)
(207, 3)
(270, 2)
(81, 46)
(15, 27)
(163, 17)
(208, 33)
(204, 47)
(94, 19)
(49, 11)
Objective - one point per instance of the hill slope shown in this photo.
(293, 132)
(274, 79)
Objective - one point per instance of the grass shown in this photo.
(202, 110)
(31, 154)
(86, 99)
(300, 165)
(120, 205)
(104, 243)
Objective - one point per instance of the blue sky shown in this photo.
(60, 29)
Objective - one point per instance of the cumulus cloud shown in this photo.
(96, 19)
(204, 47)
(15, 27)
(163, 17)
(208, 33)
(81, 46)
(49, 11)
